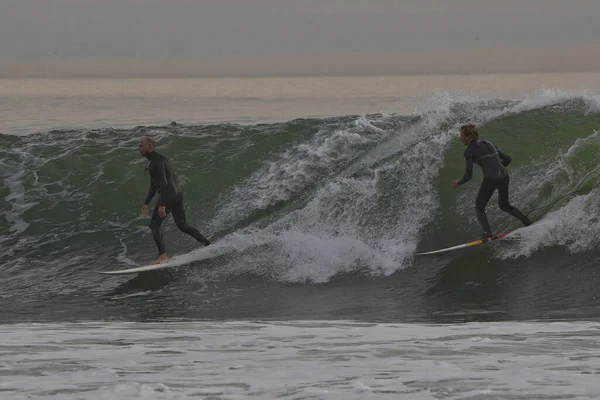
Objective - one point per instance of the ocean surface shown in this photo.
(323, 189)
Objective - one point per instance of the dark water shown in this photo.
(326, 215)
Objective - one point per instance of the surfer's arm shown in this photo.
(504, 157)
(150, 195)
(162, 183)
(468, 170)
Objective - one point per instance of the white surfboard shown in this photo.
(204, 253)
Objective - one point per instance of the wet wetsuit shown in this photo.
(493, 163)
(162, 180)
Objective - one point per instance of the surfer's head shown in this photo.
(468, 133)
(146, 146)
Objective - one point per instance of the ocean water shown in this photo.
(324, 189)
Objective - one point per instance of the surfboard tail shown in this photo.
(465, 245)
(487, 239)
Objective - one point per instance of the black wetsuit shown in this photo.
(493, 163)
(163, 181)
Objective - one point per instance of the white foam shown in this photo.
(302, 359)
(582, 143)
(576, 226)
(551, 97)
(366, 216)
(298, 167)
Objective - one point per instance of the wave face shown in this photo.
(305, 201)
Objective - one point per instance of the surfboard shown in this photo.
(179, 260)
(468, 244)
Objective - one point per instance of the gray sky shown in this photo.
(169, 38)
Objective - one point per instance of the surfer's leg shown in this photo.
(505, 204)
(155, 227)
(180, 221)
(486, 190)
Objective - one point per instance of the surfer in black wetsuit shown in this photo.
(170, 198)
(493, 163)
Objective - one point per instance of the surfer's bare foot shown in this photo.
(161, 259)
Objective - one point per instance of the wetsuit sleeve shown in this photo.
(468, 169)
(150, 195)
(504, 157)
(162, 182)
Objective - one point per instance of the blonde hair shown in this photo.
(469, 130)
